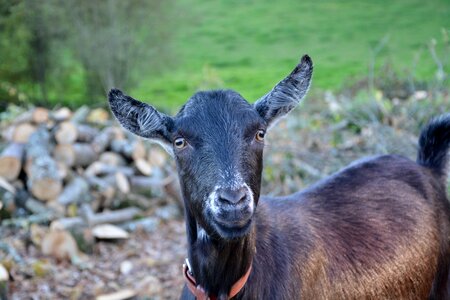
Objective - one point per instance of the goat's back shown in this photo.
(378, 229)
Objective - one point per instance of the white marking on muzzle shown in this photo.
(236, 183)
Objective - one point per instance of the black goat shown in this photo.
(379, 229)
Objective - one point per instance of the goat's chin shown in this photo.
(230, 231)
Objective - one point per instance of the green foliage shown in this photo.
(163, 51)
(72, 52)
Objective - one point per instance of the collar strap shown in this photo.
(200, 293)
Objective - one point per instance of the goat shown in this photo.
(378, 229)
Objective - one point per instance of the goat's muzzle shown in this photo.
(232, 210)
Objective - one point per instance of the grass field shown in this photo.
(249, 45)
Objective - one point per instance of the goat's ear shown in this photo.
(287, 93)
(140, 118)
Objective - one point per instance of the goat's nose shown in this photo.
(232, 196)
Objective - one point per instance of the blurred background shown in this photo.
(70, 53)
(66, 168)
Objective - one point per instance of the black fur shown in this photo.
(434, 143)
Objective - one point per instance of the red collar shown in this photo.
(200, 293)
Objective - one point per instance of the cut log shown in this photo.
(66, 133)
(25, 117)
(98, 116)
(62, 114)
(149, 224)
(38, 145)
(103, 139)
(122, 182)
(99, 168)
(86, 133)
(80, 114)
(112, 159)
(84, 154)
(78, 154)
(120, 134)
(140, 201)
(63, 170)
(27, 221)
(130, 149)
(144, 184)
(39, 115)
(11, 161)
(77, 191)
(143, 167)
(34, 206)
(64, 154)
(157, 157)
(5, 185)
(22, 132)
(43, 177)
(7, 133)
(7, 199)
(104, 187)
(112, 217)
(67, 223)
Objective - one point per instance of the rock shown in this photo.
(149, 224)
(4, 275)
(109, 232)
(125, 267)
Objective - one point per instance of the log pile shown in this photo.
(78, 168)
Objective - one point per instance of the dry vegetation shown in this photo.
(51, 243)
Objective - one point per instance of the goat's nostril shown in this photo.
(234, 197)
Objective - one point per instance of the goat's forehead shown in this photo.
(213, 106)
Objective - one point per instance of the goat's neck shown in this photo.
(217, 264)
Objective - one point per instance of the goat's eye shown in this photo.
(260, 135)
(180, 143)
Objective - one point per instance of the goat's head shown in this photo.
(217, 140)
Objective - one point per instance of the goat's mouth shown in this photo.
(228, 231)
(232, 225)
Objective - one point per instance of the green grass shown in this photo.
(249, 45)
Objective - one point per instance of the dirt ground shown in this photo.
(147, 263)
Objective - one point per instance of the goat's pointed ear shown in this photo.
(140, 118)
(287, 93)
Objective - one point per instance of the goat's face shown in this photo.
(217, 139)
(218, 143)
